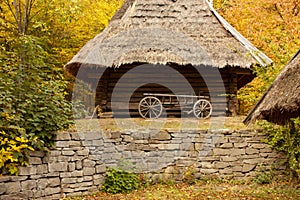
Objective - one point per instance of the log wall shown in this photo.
(209, 84)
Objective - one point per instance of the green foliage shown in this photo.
(79, 110)
(36, 39)
(286, 139)
(32, 94)
(264, 176)
(120, 181)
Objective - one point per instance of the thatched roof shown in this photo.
(168, 31)
(282, 100)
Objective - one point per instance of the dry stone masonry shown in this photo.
(77, 164)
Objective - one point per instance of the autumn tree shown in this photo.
(37, 37)
(273, 27)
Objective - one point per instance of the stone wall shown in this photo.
(77, 164)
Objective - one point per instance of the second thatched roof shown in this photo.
(282, 100)
(168, 31)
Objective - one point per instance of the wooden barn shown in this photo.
(281, 101)
(188, 36)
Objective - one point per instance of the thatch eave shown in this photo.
(282, 99)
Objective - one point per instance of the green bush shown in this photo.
(120, 181)
(32, 97)
(286, 139)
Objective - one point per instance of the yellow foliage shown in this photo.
(273, 27)
(12, 152)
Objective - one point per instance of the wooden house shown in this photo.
(185, 35)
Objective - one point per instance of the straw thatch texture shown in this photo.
(282, 100)
(168, 31)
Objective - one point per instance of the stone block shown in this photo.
(264, 155)
(68, 180)
(73, 144)
(161, 136)
(240, 145)
(42, 169)
(115, 135)
(30, 170)
(65, 175)
(71, 167)
(34, 161)
(88, 171)
(98, 180)
(106, 156)
(208, 171)
(93, 135)
(4, 178)
(248, 168)
(42, 184)
(29, 184)
(13, 187)
(253, 161)
(228, 158)
(74, 136)
(87, 178)
(236, 139)
(54, 153)
(100, 169)
(186, 147)
(77, 173)
(74, 194)
(221, 165)
(83, 152)
(127, 138)
(64, 158)
(53, 182)
(35, 177)
(78, 164)
(88, 163)
(206, 165)
(266, 150)
(237, 168)
(222, 152)
(97, 142)
(250, 151)
(62, 144)
(95, 157)
(39, 154)
(226, 145)
(226, 171)
(61, 136)
(68, 153)
(51, 174)
(58, 167)
(141, 141)
(52, 191)
(2, 188)
(237, 152)
(17, 178)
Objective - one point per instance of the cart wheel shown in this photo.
(202, 109)
(150, 107)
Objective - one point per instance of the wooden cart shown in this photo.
(152, 104)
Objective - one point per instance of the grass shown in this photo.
(176, 124)
(206, 189)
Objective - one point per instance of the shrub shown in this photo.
(120, 181)
(286, 139)
(32, 99)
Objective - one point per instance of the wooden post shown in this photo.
(232, 96)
